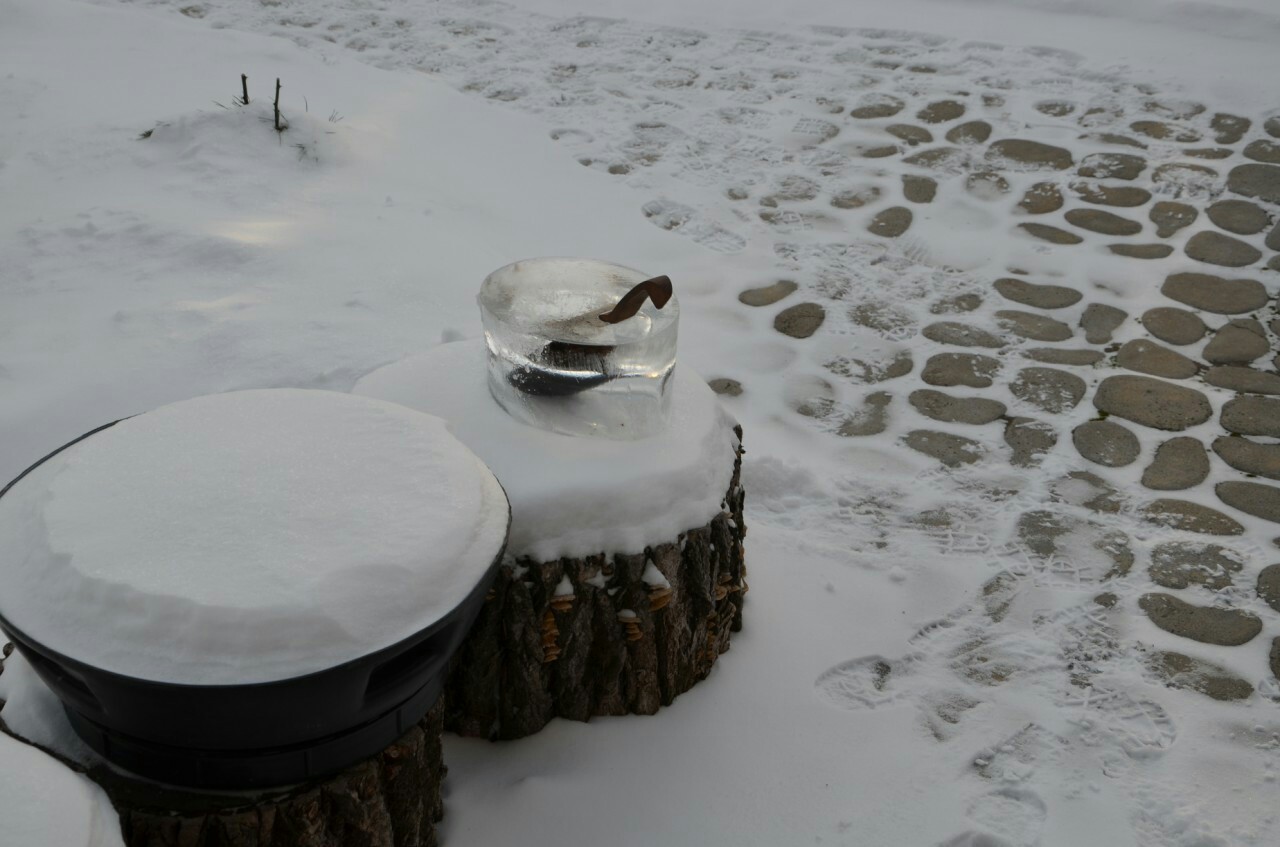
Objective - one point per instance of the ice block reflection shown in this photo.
(554, 364)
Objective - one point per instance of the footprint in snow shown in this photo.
(863, 683)
(676, 217)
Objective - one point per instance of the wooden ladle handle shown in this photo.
(657, 289)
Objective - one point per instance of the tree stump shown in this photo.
(601, 635)
(389, 800)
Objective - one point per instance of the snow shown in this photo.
(46, 803)
(576, 496)
(247, 537)
(216, 255)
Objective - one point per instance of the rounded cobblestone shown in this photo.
(962, 335)
(1215, 248)
(1041, 199)
(725, 386)
(1049, 389)
(1228, 128)
(1152, 402)
(1106, 443)
(1191, 517)
(1238, 216)
(1038, 296)
(1162, 131)
(1206, 624)
(1244, 380)
(1105, 223)
(1252, 498)
(1033, 326)
(1181, 564)
(1269, 586)
(950, 409)
(1112, 166)
(1252, 415)
(941, 111)
(1263, 150)
(1029, 440)
(1111, 195)
(919, 189)
(1099, 321)
(971, 370)
(1173, 325)
(1169, 217)
(1184, 672)
(1060, 356)
(1237, 343)
(951, 450)
(1249, 456)
(1141, 251)
(877, 106)
(1150, 358)
(1023, 154)
(801, 320)
(891, 222)
(1052, 234)
(769, 294)
(1179, 463)
(1214, 293)
(970, 132)
(910, 133)
(1255, 180)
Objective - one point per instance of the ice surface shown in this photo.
(576, 496)
(554, 364)
(247, 536)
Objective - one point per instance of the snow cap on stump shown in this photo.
(247, 537)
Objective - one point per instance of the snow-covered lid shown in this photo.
(576, 496)
(561, 299)
(247, 537)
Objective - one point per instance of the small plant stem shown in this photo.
(277, 106)
(244, 87)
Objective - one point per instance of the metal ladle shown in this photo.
(569, 357)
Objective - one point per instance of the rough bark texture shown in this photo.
(389, 800)
(622, 642)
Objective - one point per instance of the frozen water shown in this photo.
(247, 537)
(554, 364)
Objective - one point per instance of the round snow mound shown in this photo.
(247, 537)
(570, 495)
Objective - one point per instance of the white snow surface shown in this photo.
(576, 496)
(441, 140)
(247, 536)
(46, 803)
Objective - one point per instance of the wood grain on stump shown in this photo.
(601, 635)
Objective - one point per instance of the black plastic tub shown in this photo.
(259, 734)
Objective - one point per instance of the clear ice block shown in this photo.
(554, 364)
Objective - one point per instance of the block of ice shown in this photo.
(247, 537)
(554, 364)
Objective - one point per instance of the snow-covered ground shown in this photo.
(922, 663)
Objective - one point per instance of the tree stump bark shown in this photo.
(389, 800)
(601, 635)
